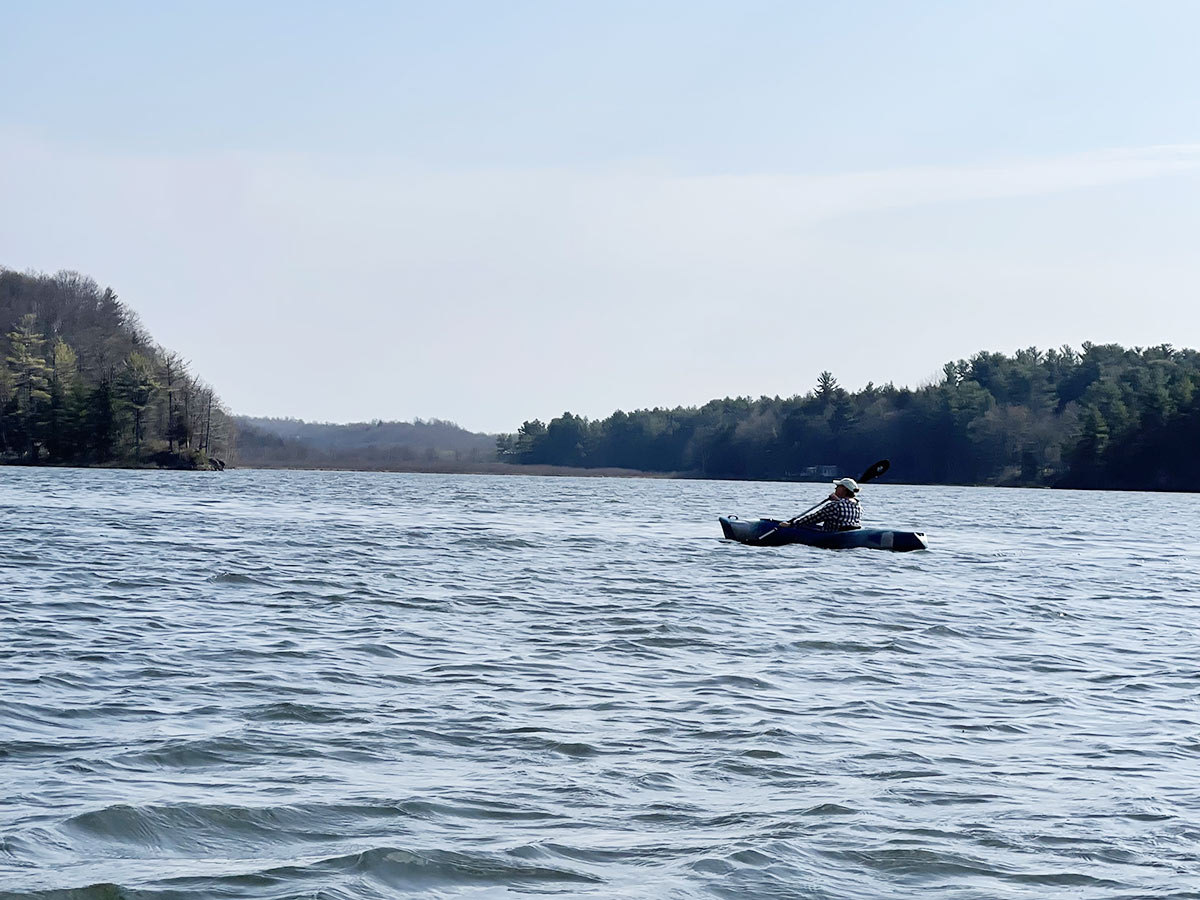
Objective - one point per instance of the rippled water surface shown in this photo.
(329, 685)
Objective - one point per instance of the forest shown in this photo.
(1102, 416)
(82, 383)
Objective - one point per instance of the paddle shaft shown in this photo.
(807, 511)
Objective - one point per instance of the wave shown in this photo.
(378, 872)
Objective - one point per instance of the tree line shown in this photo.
(1100, 417)
(82, 383)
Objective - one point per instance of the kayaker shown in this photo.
(841, 511)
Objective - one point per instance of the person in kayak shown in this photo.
(840, 512)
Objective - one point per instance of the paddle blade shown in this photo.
(875, 471)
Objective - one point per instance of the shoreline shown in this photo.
(572, 472)
(497, 468)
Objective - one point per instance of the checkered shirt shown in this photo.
(834, 516)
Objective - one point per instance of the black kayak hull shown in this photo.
(769, 533)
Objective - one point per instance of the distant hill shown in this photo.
(83, 383)
(419, 444)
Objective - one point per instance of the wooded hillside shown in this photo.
(83, 383)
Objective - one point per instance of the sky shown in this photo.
(493, 212)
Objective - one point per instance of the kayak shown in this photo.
(769, 533)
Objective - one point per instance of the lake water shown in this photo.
(331, 685)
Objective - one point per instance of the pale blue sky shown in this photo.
(494, 211)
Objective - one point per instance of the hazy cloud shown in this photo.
(490, 296)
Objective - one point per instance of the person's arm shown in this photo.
(813, 517)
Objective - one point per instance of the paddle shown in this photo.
(874, 472)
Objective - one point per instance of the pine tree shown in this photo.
(138, 385)
(826, 386)
(30, 381)
(102, 420)
(174, 376)
(63, 430)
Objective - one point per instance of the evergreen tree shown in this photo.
(826, 387)
(30, 382)
(102, 421)
(63, 431)
(138, 386)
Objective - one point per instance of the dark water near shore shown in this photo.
(303, 684)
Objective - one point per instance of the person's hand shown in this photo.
(832, 496)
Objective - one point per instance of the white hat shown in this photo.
(848, 483)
